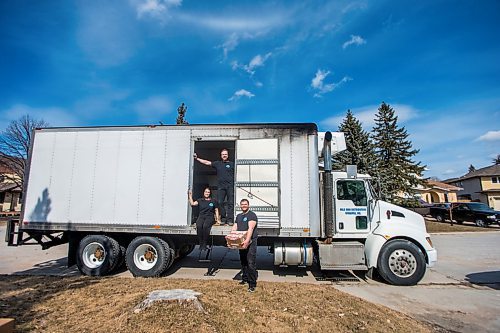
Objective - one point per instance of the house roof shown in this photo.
(4, 187)
(492, 170)
(442, 186)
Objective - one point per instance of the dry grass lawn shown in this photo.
(83, 304)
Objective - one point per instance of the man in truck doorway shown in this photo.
(225, 184)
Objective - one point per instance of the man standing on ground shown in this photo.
(247, 221)
(225, 184)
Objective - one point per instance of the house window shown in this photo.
(495, 180)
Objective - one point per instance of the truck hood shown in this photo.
(400, 215)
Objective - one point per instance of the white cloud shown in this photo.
(319, 85)
(241, 93)
(243, 23)
(257, 61)
(156, 9)
(355, 40)
(153, 108)
(490, 136)
(54, 116)
(230, 44)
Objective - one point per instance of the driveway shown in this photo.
(462, 293)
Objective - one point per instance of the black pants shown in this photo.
(223, 193)
(248, 259)
(203, 227)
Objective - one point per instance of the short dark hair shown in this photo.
(225, 150)
(246, 200)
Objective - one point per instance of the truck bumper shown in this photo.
(432, 257)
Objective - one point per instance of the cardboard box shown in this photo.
(235, 239)
(6, 325)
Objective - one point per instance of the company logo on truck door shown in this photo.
(353, 211)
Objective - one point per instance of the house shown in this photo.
(480, 185)
(436, 192)
(10, 193)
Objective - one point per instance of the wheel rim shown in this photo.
(145, 257)
(480, 223)
(439, 218)
(94, 255)
(402, 263)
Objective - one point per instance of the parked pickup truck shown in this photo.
(476, 212)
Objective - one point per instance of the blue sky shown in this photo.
(129, 62)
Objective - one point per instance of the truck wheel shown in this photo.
(440, 218)
(121, 260)
(97, 255)
(147, 256)
(481, 223)
(401, 263)
(185, 250)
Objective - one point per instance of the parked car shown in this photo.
(476, 212)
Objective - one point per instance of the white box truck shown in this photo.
(119, 194)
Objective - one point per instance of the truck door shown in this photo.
(462, 213)
(351, 202)
(257, 179)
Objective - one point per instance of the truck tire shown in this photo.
(439, 218)
(401, 263)
(185, 250)
(97, 255)
(147, 256)
(121, 259)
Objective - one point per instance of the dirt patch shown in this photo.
(434, 226)
(83, 304)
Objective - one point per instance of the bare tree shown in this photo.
(14, 147)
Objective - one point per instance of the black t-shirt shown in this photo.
(225, 172)
(207, 207)
(242, 222)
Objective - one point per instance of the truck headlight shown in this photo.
(491, 217)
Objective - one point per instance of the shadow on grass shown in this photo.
(20, 294)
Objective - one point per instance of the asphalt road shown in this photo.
(462, 293)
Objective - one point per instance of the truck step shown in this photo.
(342, 256)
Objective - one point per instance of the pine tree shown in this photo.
(359, 146)
(397, 172)
(496, 160)
(472, 168)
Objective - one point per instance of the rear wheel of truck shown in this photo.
(401, 263)
(185, 250)
(97, 255)
(440, 218)
(148, 256)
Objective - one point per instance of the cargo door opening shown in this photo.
(206, 176)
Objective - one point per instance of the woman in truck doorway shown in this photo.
(207, 208)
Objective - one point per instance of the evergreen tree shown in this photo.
(496, 160)
(472, 168)
(359, 146)
(397, 172)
